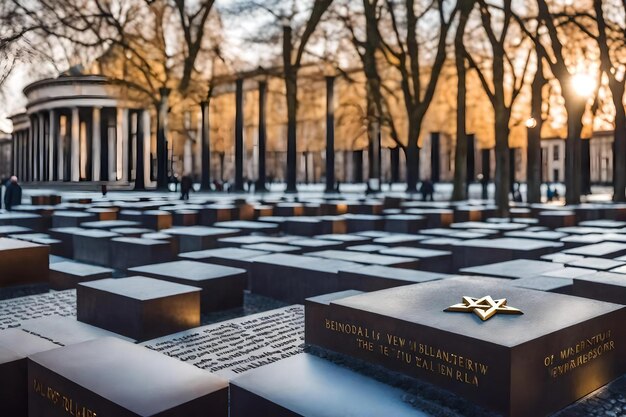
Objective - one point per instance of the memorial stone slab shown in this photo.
(303, 226)
(545, 283)
(404, 223)
(400, 240)
(249, 226)
(128, 252)
(429, 259)
(519, 268)
(367, 258)
(567, 272)
(173, 240)
(600, 264)
(561, 257)
(93, 246)
(197, 238)
(65, 331)
(132, 381)
(368, 248)
(15, 347)
(555, 219)
(131, 215)
(13, 230)
(222, 286)
(31, 221)
(185, 217)
(138, 307)
(434, 217)
(22, 263)
(71, 218)
(604, 286)
(273, 248)
(541, 235)
(308, 245)
(373, 234)
(333, 225)
(268, 337)
(308, 386)
(104, 214)
(376, 277)
(487, 251)
(603, 223)
(363, 222)
(66, 275)
(233, 257)
(506, 363)
(293, 278)
(157, 219)
(109, 224)
(599, 250)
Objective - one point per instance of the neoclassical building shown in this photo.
(81, 128)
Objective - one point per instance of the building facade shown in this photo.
(81, 128)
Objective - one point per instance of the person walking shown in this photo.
(428, 190)
(13, 194)
(186, 185)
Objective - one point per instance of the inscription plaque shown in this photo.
(561, 345)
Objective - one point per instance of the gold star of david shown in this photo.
(485, 307)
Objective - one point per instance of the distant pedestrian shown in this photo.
(427, 190)
(517, 195)
(13, 194)
(186, 185)
(549, 193)
(103, 188)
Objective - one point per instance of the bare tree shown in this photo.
(497, 29)
(461, 182)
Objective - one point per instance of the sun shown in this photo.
(584, 84)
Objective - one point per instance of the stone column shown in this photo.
(330, 134)
(239, 136)
(40, 147)
(61, 153)
(471, 159)
(75, 145)
(139, 152)
(147, 136)
(122, 144)
(112, 157)
(96, 143)
(53, 130)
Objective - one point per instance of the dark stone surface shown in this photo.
(65, 331)
(522, 268)
(487, 251)
(93, 246)
(66, 236)
(599, 250)
(545, 283)
(604, 286)
(15, 347)
(306, 386)
(131, 381)
(109, 224)
(197, 238)
(293, 278)
(600, 264)
(249, 226)
(367, 258)
(138, 307)
(429, 260)
(66, 275)
(71, 218)
(400, 240)
(505, 352)
(13, 230)
(222, 286)
(22, 263)
(268, 337)
(273, 248)
(128, 252)
(404, 223)
(376, 277)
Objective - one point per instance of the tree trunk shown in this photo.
(575, 107)
(460, 189)
(619, 145)
(503, 167)
(162, 122)
(533, 157)
(412, 158)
